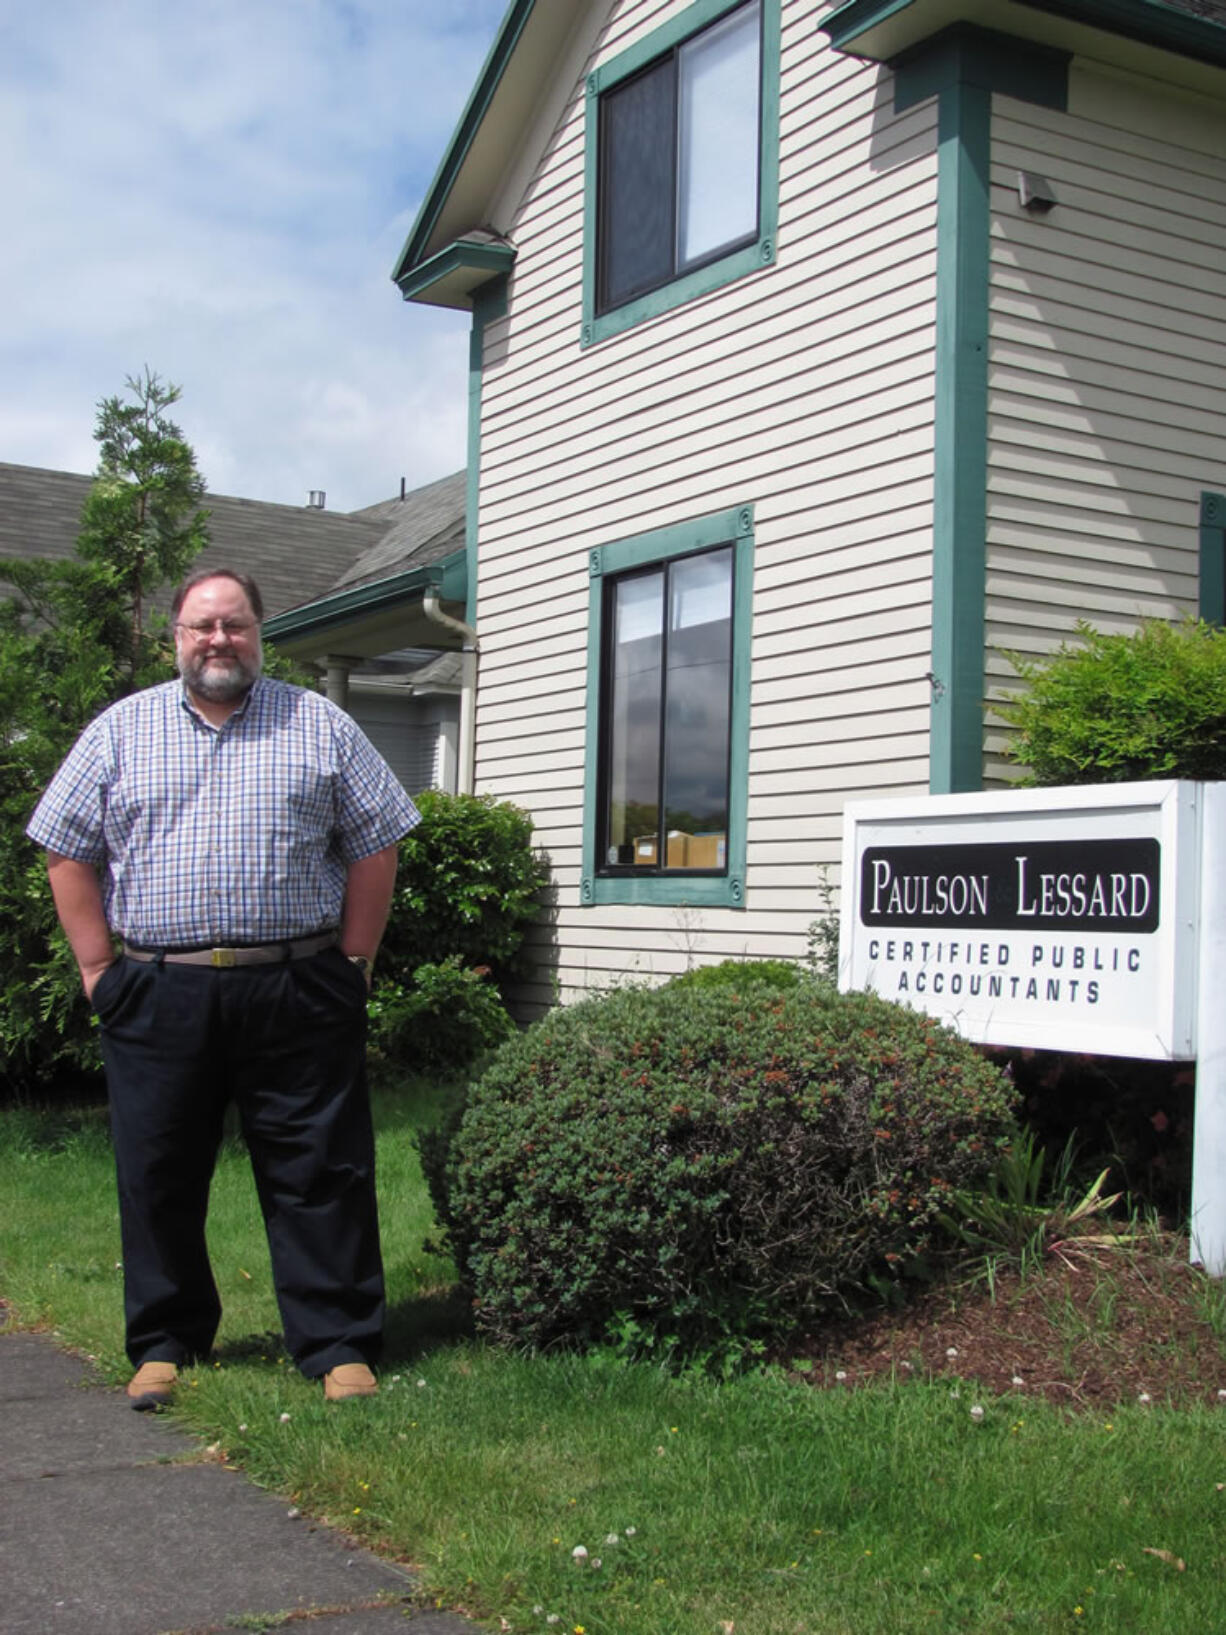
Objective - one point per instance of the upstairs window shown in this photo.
(681, 164)
(679, 160)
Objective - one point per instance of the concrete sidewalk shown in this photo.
(104, 1531)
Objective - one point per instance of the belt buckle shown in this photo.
(222, 958)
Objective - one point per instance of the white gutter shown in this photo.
(468, 686)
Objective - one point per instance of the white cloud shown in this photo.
(219, 192)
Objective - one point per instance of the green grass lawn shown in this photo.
(756, 1506)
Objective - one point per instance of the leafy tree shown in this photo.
(75, 636)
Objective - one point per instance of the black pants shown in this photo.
(286, 1043)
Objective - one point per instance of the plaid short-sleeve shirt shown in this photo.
(210, 836)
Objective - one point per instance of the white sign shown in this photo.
(1042, 917)
(1083, 919)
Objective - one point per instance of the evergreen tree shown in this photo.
(75, 636)
(142, 524)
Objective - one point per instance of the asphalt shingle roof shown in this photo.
(296, 554)
(421, 528)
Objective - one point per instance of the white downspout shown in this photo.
(468, 687)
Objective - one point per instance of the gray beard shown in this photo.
(218, 684)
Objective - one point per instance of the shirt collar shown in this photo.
(185, 700)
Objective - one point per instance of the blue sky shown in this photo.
(219, 191)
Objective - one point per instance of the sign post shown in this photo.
(1209, 1128)
(1086, 919)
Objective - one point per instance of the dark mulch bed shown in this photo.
(1093, 1331)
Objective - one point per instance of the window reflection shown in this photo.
(668, 702)
(718, 114)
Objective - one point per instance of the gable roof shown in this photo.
(294, 553)
(356, 579)
(452, 248)
(423, 527)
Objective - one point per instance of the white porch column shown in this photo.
(336, 679)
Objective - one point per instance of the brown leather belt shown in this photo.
(263, 953)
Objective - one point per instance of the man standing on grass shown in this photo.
(238, 836)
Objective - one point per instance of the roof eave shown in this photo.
(880, 30)
(356, 620)
(453, 276)
(477, 107)
(496, 118)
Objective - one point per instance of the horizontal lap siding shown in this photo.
(1107, 414)
(806, 391)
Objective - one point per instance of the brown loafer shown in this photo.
(349, 1380)
(152, 1386)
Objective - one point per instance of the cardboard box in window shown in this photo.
(706, 852)
(685, 851)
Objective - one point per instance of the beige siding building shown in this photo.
(1107, 418)
(821, 355)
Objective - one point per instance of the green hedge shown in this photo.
(468, 886)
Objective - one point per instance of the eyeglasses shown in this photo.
(203, 630)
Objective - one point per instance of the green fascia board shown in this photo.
(448, 576)
(735, 525)
(475, 110)
(750, 258)
(845, 26)
(492, 260)
(1213, 558)
(1147, 21)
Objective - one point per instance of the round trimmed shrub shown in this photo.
(715, 1165)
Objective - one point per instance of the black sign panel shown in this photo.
(1016, 885)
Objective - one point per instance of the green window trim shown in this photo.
(727, 269)
(736, 527)
(1213, 558)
